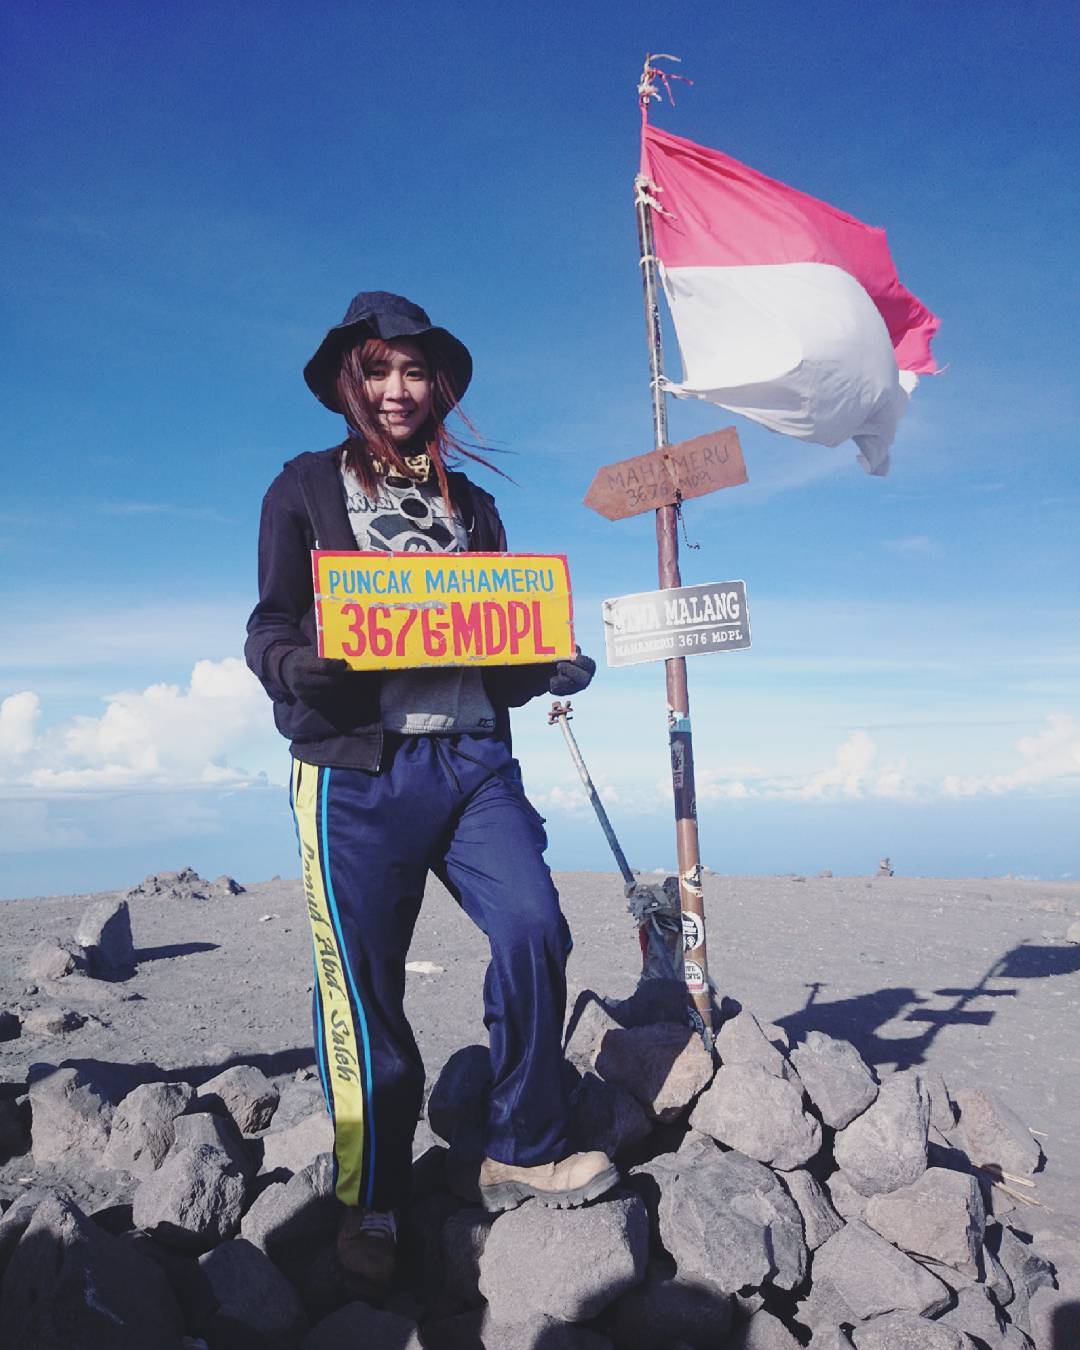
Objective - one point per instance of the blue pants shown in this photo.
(453, 805)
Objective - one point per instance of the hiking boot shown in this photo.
(366, 1245)
(559, 1185)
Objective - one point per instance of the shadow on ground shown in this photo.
(858, 1019)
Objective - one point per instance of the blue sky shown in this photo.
(191, 195)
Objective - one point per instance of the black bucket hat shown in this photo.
(383, 315)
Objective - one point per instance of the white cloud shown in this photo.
(1050, 756)
(211, 733)
(571, 799)
(19, 714)
(853, 772)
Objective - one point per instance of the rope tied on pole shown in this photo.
(650, 74)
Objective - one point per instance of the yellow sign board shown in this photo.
(399, 611)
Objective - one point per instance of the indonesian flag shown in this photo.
(786, 309)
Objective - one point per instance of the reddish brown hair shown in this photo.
(370, 451)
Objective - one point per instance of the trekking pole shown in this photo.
(654, 908)
(562, 713)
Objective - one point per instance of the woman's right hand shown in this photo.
(310, 677)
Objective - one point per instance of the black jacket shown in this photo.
(304, 508)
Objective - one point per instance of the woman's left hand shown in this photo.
(572, 676)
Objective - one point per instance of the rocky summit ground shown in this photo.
(972, 979)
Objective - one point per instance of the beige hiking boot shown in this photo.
(366, 1246)
(559, 1185)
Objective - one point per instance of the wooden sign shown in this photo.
(670, 474)
(681, 621)
(400, 611)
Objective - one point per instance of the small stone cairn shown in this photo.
(773, 1197)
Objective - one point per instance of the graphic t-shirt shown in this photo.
(407, 516)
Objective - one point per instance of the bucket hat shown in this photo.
(387, 316)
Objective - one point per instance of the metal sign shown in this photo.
(682, 621)
(668, 475)
(403, 611)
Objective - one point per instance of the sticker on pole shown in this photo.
(401, 611)
(682, 621)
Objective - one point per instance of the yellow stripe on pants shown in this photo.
(341, 1058)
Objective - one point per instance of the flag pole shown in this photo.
(680, 740)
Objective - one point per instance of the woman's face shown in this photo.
(397, 382)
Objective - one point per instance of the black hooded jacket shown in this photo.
(304, 508)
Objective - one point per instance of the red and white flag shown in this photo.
(786, 309)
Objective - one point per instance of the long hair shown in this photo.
(369, 450)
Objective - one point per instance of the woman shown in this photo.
(395, 775)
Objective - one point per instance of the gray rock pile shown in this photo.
(184, 885)
(773, 1197)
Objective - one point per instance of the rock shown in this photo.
(665, 1308)
(420, 1242)
(144, 1128)
(726, 1220)
(464, 1235)
(359, 1324)
(763, 1332)
(976, 1313)
(940, 1215)
(298, 1101)
(836, 1077)
(820, 1219)
(847, 1201)
(762, 1116)
(69, 1284)
(830, 1338)
(908, 1331)
(245, 1093)
(1072, 933)
(226, 885)
(216, 1131)
(297, 1145)
(52, 959)
(741, 1040)
(942, 1107)
(589, 1023)
(10, 1026)
(996, 1277)
(824, 1310)
(991, 1273)
(14, 1139)
(459, 1097)
(71, 1115)
(254, 1304)
(605, 1117)
(478, 1330)
(885, 1147)
(663, 1066)
(942, 1152)
(52, 1021)
(299, 1213)
(105, 932)
(590, 1257)
(872, 1277)
(1025, 1269)
(194, 1200)
(16, 1217)
(995, 1136)
(653, 1000)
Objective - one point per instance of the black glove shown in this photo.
(310, 677)
(572, 676)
